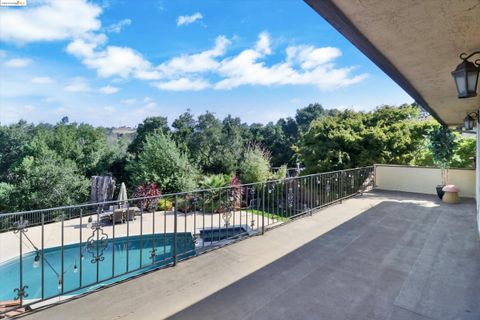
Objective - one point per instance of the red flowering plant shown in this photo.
(235, 192)
(150, 194)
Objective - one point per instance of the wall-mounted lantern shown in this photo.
(466, 76)
(469, 121)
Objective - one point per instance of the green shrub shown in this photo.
(6, 191)
(255, 166)
(161, 162)
(280, 174)
(215, 181)
(165, 204)
(186, 204)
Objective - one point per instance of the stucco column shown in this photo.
(477, 164)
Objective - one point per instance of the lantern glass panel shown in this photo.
(468, 123)
(472, 78)
(460, 82)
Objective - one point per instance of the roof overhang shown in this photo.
(416, 43)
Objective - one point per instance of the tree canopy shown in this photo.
(47, 165)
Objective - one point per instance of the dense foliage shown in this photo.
(255, 165)
(352, 139)
(162, 163)
(49, 165)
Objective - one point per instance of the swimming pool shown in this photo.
(80, 274)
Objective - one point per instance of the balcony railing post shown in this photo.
(263, 208)
(175, 232)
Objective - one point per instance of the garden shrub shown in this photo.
(255, 166)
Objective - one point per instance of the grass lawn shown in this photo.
(269, 215)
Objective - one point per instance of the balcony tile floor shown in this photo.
(383, 255)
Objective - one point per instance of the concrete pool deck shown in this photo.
(164, 223)
(382, 255)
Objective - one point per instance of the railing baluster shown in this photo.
(203, 216)
(21, 288)
(175, 233)
(43, 256)
(219, 208)
(113, 241)
(185, 207)
(98, 245)
(141, 234)
(154, 248)
(233, 195)
(211, 219)
(263, 208)
(195, 200)
(165, 229)
(127, 245)
(60, 281)
(80, 247)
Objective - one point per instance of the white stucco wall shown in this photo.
(477, 188)
(423, 179)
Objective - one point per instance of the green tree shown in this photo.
(350, 139)
(231, 144)
(205, 149)
(6, 192)
(464, 153)
(184, 126)
(442, 145)
(82, 143)
(150, 125)
(13, 139)
(255, 166)
(278, 138)
(46, 180)
(161, 162)
(305, 116)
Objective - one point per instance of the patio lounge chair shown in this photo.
(130, 214)
(118, 216)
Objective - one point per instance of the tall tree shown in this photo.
(47, 180)
(231, 144)
(149, 126)
(162, 163)
(206, 143)
(13, 139)
(184, 126)
(305, 116)
(351, 139)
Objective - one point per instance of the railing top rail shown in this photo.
(170, 195)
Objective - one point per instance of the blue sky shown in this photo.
(115, 62)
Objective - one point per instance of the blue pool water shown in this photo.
(139, 250)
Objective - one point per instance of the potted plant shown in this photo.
(442, 144)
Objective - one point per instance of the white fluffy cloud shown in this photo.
(17, 63)
(184, 84)
(84, 46)
(42, 80)
(78, 85)
(51, 20)
(129, 101)
(186, 20)
(200, 62)
(117, 61)
(117, 27)
(303, 65)
(108, 90)
(110, 61)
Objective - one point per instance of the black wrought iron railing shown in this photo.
(72, 250)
